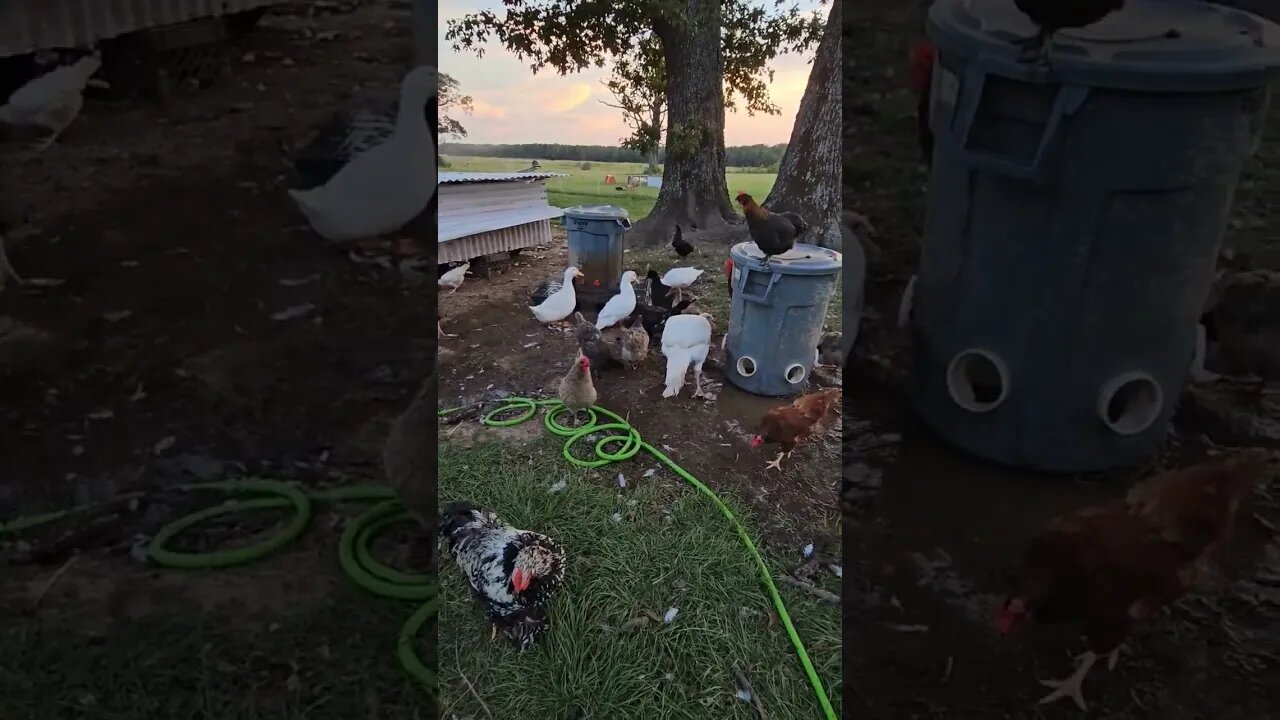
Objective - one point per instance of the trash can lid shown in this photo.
(1148, 46)
(596, 212)
(800, 260)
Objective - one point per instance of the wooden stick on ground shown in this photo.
(745, 684)
(472, 688)
(813, 590)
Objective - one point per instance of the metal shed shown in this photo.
(29, 25)
(484, 212)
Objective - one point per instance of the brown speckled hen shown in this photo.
(409, 455)
(576, 389)
(792, 424)
(1110, 565)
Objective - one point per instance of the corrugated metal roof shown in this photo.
(457, 227)
(495, 241)
(443, 178)
(27, 25)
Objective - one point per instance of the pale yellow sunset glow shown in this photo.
(513, 105)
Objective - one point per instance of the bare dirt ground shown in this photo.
(158, 361)
(932, 535)
(503, 350)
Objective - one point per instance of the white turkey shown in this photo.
(686, 340)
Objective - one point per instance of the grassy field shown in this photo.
(669, 547)
(586, 187)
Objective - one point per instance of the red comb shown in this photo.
(920, 64)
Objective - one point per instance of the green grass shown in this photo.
(586, 187)
(671, 549)
(1252, 229)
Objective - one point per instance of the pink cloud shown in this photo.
(513, 105)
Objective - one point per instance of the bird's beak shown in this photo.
(520, 580)
(578, 273)
(757, 441)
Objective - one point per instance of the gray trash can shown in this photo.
(1074, 219)
(776, 317)
(595, 248)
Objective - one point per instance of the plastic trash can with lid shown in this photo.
(776, 316)
(595, 247)
(1074, 217)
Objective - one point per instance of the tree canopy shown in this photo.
(572, 35)
(449, 98)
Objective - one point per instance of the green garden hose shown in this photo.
(354, 554)
(630, 445)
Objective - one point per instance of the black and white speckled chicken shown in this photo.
(513, 573)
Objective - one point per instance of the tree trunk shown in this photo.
(651, 157)
(809, 175)
(694, 192)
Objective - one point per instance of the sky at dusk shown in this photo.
(513, 105)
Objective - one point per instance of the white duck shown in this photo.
(453, 279)
(680, 277)
(686, 339)
(560, 304)
(619, 306)
(53, 100)
(383, 188)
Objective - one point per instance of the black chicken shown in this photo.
(654, 318)
(661, 295)
(1053, 15)
(515, 574)
(681, 245)
(594, 347)
(774, 233)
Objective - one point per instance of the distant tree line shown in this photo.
(761, 156)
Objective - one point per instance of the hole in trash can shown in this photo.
(977, 380)
(795, 374)
(746, 366)
(1130, 403)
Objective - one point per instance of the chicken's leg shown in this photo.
(697, 381)
(42, 145)
(1071, 687)
(1035, 48)
(441, 333)
(776, 463)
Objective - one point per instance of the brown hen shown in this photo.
(1110, 565)
(792, 424)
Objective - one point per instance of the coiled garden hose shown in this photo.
(630, 444)
(354, 554)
